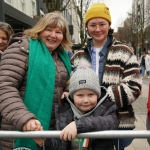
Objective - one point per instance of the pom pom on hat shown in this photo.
(84, 78)
(98, 10)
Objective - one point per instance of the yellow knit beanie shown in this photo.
(97, 10)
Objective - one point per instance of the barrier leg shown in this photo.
(118, 144)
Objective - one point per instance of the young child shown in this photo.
(87, 108)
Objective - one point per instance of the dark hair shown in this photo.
(111, 31)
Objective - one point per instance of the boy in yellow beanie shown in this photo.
(115, 65)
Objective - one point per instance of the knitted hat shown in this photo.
(84, 78)
(98, 10)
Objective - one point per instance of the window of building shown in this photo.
(8, 1)
(41, 12)
(22, 4)
(33, 8)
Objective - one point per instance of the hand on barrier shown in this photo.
(64, 95)
(32, 125)
(39, 141)
(69, 132)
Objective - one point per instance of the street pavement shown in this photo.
(140, 110)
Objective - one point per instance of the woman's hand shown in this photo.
(64, 94)
(39, 141)
(69, 132)
(32, 125)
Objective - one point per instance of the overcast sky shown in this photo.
(118, 11)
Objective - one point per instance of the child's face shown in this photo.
(85, 100)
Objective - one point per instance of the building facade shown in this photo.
(70, 13)
(19, 14)
(23, 14)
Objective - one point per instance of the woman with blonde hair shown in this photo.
(33, 74)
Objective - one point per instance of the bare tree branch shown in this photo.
(59, 5)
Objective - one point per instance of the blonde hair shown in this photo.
(7, 29)
(52, 19)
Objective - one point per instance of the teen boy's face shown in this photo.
(85, 100)
(98, 29)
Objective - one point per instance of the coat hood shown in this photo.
(78, 113)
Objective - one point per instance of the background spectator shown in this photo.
(5, 32)
(147, 63)
(143, 67)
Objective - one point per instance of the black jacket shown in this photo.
(102, 118)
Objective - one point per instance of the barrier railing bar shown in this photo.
(100, 134)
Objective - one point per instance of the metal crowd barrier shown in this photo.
(100, 134)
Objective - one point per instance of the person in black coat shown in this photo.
(5, 32)
(87, 108)
(143, 68)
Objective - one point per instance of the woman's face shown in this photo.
(98, 29)
(52, 37)
(3, 40)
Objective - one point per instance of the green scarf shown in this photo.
(40, 86)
